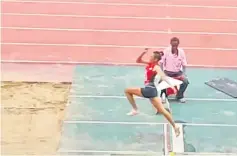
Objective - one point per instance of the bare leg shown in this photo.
(129, 92)
(159, 106)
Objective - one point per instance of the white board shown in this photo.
(178, 142)
(165, 85)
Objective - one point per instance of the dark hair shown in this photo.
(158, 55)
(173, 39)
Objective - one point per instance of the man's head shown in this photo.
(156, 57)
(174, 42)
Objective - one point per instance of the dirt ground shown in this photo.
(32, 115)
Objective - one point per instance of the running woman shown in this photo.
(153, 75)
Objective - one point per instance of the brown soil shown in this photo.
(32, 115)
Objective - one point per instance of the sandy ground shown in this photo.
(32, 117)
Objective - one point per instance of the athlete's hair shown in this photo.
(158, 55)
(173, 39)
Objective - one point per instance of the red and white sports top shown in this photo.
(150, 73)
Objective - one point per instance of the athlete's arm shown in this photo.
(163, 76)
(140, 60)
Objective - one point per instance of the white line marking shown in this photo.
(100, 63)
(210, 125)
(205, 153)
(121, 31)
(111, 152)
(124, 17)
(166, 150)
(124, 4)
(112, 122)
(143, 123)
(66, 62)
(123, 97)
(110, 46)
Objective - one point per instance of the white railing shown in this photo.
(205, 154)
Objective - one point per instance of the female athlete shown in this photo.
(153, 71)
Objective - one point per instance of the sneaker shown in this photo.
(132, 112)
(182, 100)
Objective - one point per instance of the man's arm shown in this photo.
(184, 62)
(162, 62)
(161, 65)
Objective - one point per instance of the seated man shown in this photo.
(174, 64)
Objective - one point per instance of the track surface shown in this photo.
(90, 31)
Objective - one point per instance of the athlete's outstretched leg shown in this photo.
(129, 92)
(156, 101)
